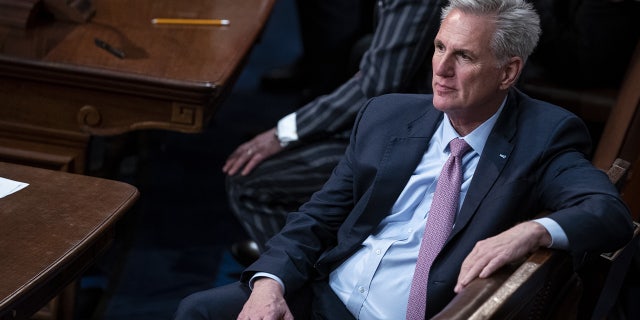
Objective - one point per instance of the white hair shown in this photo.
(517, 25)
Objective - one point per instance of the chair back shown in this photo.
(621, 135)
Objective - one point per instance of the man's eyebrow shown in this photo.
(469, 52)
(464, 51)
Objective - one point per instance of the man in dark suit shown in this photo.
(351, 251)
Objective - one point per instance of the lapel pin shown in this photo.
(503, 156)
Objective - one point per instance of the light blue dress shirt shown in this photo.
(374, 282)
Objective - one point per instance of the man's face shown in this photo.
(466, 76)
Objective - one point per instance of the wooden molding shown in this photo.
(17, 13)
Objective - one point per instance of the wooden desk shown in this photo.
(51, 231)
(57, 88)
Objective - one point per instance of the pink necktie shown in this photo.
(439, 225)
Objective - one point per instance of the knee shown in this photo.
(236, 187)
(192, 307)
(231, 182)
(218, 303)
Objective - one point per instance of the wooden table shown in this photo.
(51, 231)
(57, 88)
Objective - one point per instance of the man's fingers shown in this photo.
(493, 265)
(468, 275)
(235, 164)
(248, 155)
(479, 269)
(482, 261)
(238, 159)
(471, 267)
(252, 163)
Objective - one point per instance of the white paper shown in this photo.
(8, 187)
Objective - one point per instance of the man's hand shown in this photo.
(251, 153)
(510, 246)
(266, 302)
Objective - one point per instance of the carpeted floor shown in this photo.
(176, 239)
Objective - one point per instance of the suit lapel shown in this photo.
(402, 155)
(495, 155)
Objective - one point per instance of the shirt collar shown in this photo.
(476, 138)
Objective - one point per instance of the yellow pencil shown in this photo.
(209, 22)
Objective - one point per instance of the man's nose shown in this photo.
(443, 66)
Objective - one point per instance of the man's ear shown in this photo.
(510, 72)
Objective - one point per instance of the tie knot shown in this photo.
(458, 147)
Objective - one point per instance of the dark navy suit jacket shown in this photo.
(534, 160)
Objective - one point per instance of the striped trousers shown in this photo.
(279, 185)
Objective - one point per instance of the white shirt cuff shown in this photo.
(287, 130)
(559, 238)
(265, 275)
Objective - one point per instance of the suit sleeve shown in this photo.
(582, 199)
(291, 254)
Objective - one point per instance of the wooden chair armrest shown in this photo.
(516, 290)
(478, 292)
